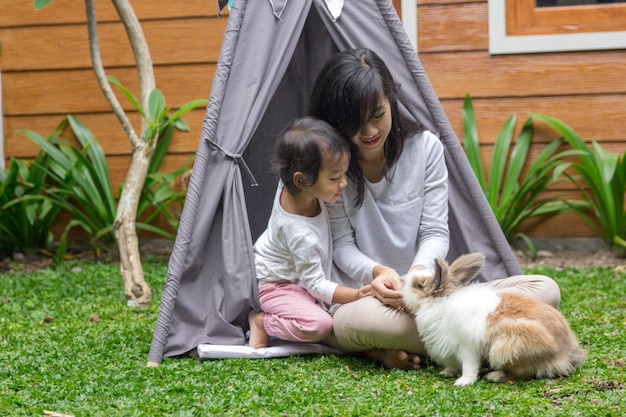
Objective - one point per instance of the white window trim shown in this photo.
(500, 43)
(409, 20)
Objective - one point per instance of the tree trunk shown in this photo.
(136, 290)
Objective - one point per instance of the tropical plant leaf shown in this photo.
(603, 183)
(156, 106)
(40, 4)
(128, 95)
(516, 195)
(471, 142)
(499, 160)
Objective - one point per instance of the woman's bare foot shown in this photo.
(258, 337)
(395, 359)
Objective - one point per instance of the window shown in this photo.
(519, 26)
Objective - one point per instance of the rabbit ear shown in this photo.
(441, 268)
(466, 267)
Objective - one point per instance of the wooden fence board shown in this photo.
(118, 166)
(454, 74)
(62, 92)
(67, 46)
(581, 113)
(15, 13)
(454, 27)
(105, 128)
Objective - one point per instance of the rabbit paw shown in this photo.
(497, 376)
(449, 372)
(465, 381)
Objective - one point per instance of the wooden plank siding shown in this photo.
(586, 90)
(47, 74)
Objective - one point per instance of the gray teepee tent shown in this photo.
(271, 53)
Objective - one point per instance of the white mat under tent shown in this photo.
(277, 349)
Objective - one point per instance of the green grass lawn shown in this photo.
(69, 344)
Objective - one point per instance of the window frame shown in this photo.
(518, 26)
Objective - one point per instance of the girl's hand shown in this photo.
(364, 291)
(387, 286)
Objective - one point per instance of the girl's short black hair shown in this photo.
(346, 94)
(305, 145)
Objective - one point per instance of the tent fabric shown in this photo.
(263, 79)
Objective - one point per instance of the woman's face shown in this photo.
(370, 139)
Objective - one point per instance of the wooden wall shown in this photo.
(47, 74)
(586, 90)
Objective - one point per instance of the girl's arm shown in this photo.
(344, 295)
(308, 265)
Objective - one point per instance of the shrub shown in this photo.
(26, 215)
(79, 183)
(513, 197)
(602, 182)
(76, 179)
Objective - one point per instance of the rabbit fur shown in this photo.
(464, 326)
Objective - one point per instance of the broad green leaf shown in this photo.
(181, 124)
(471, 142)
(516, 163)
(184, 109)
(40, 4)
(498, 160)
(128, 95)
(156, 105)
(165, 138)
(149, 134)
(155, 230)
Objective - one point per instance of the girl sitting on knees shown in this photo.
(293, 256)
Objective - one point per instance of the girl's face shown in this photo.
(331, 180)
(370, 139)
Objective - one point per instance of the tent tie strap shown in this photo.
(238, 159)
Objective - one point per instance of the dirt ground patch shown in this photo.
(554, 257)
(26, 263)
(563, 258)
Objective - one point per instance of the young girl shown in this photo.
(293, 256)
(393, 216)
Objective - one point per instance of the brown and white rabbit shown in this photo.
(464, 326)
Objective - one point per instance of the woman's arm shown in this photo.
(346, 254)
(434, 237)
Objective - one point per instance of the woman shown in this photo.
(393, 216)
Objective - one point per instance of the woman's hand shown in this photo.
(387, 286)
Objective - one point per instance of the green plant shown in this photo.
(604, 176)
(159, 192)
(26, 214)
(157, 115)
(515, 196)
(79, 183)
(151, 105)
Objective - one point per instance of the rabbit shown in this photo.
(464, 326)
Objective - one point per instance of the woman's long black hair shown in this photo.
(346, 94)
